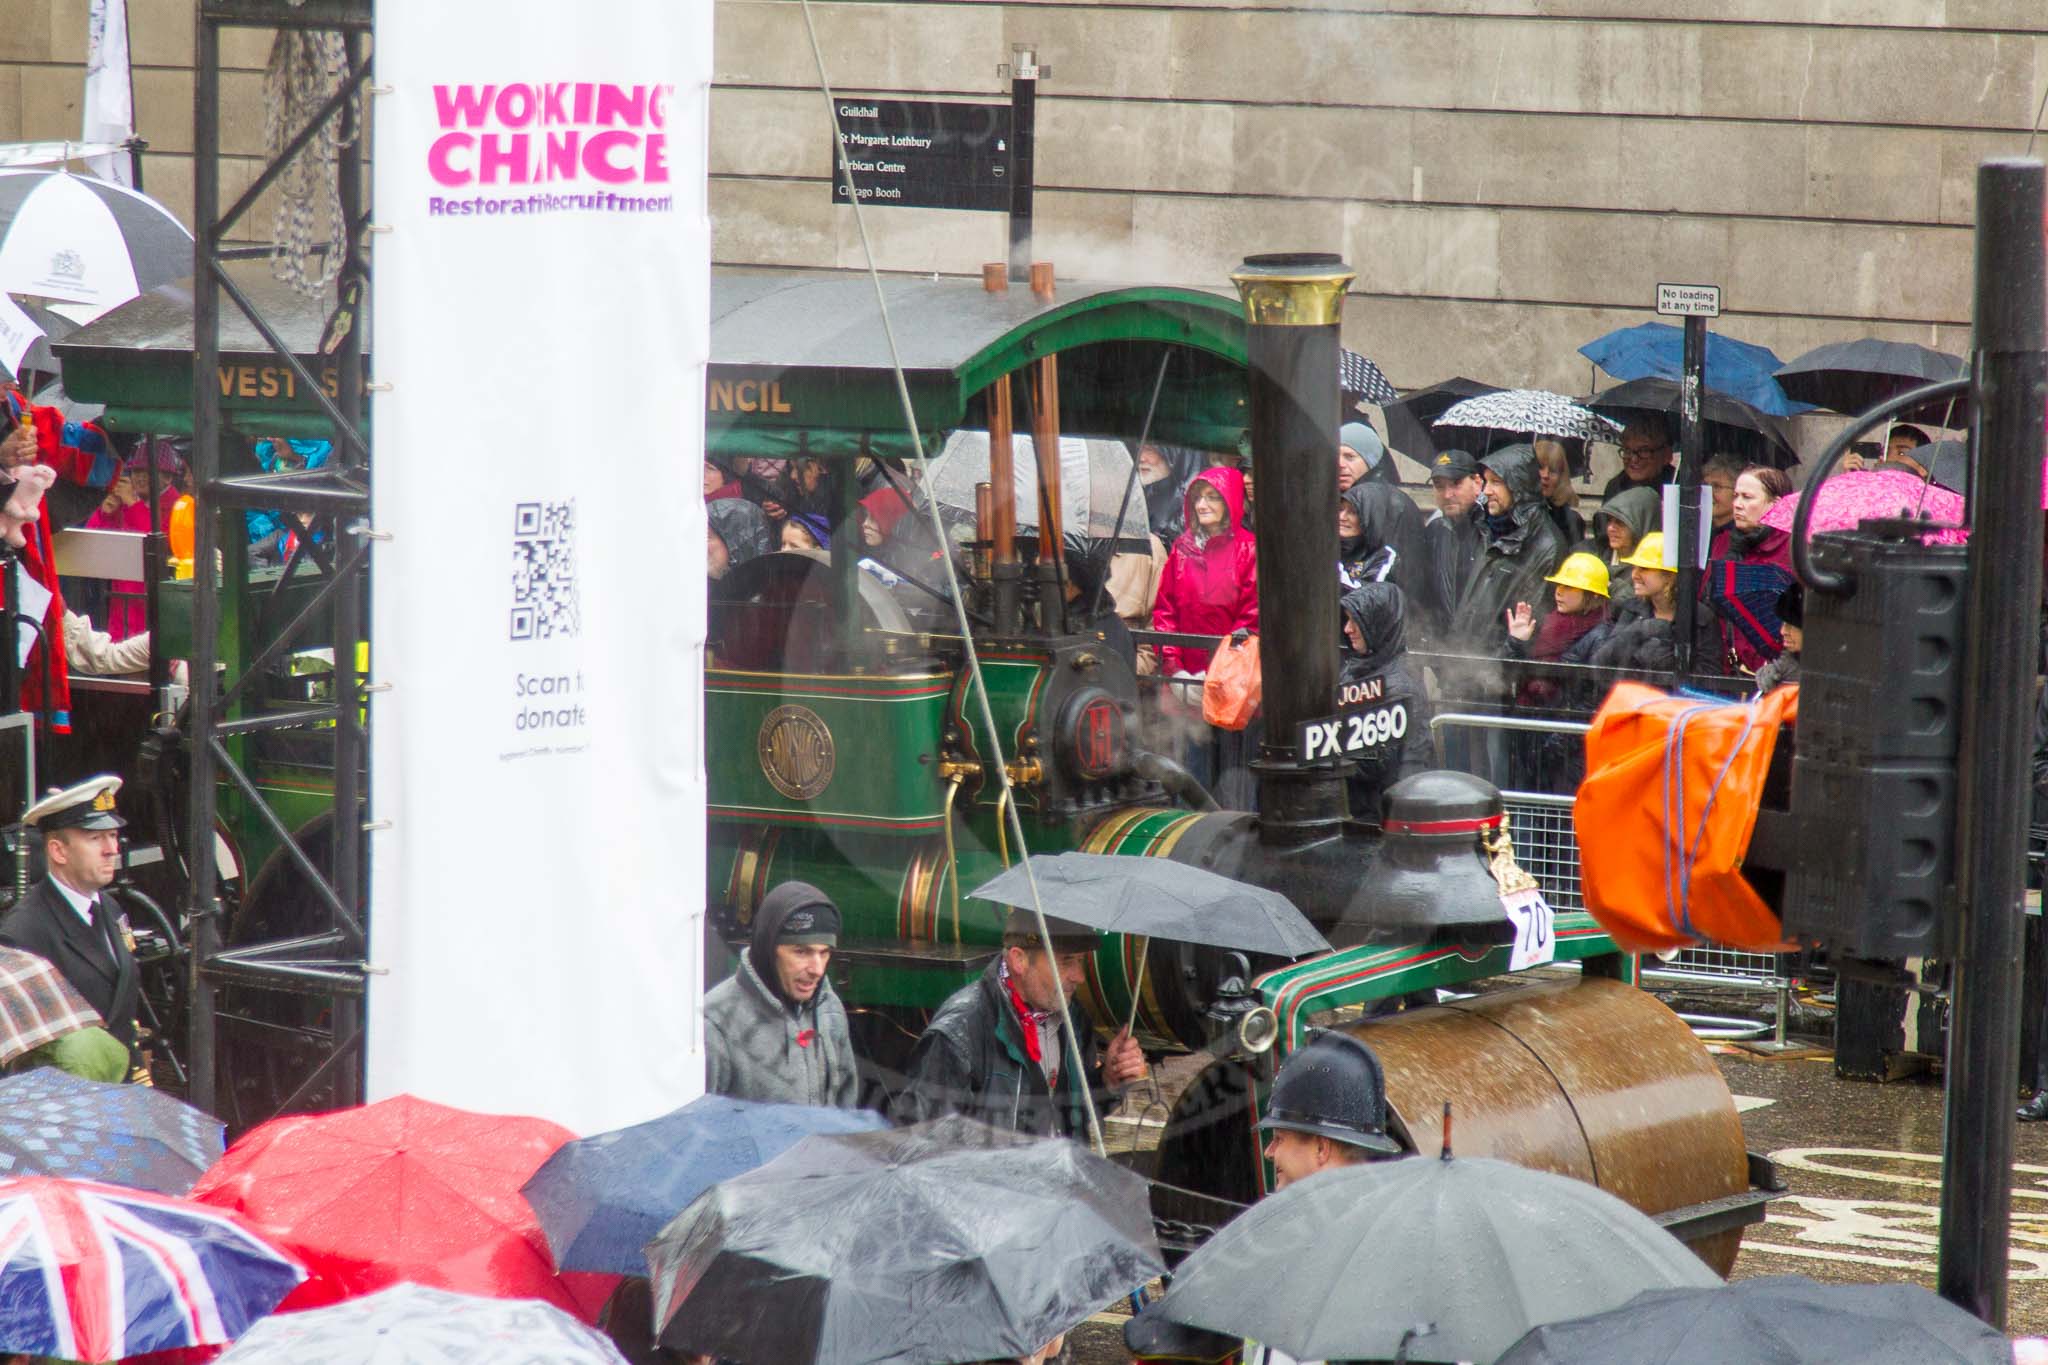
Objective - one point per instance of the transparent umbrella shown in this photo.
(1095, 477)
(411, 1324)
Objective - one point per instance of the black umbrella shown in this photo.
(1775, 1320)
(1947, 463)
(945, 1241)
(1157, 898)
(1850, 376)
(1424, 406)
(1731, 424)
(1407, 435)
(1447, 1259)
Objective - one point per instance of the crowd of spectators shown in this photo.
(1511, 565)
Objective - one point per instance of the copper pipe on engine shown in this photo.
(1045, 447)
(1045, 441)
(1002, 526)
(984, 515)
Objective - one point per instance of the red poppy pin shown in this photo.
(804, 1036)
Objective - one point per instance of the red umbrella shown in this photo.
(402, 1190)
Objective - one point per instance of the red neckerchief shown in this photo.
(1029, 1017)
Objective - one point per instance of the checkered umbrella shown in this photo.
(1534, 411)
(413, 1324)
(37, 1005)
(56, 1124)
(1362, 379)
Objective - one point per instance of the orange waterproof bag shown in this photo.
(1231, 692)
(1665, 816)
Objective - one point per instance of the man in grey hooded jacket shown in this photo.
(775, 1030)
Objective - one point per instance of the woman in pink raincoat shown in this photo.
(1210, 585)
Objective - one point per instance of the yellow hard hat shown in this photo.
(1649, 554)
(1583, 571)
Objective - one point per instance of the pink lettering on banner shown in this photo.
(562, 133)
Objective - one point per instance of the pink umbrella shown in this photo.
(1860, 494)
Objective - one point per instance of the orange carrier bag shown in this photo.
(1230, 693)
(1665, 816)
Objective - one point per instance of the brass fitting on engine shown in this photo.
(1025, 772)
(958, 769)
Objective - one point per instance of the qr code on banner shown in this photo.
(544, 601)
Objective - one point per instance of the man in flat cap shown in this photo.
(995, 1051)
(774, 1030)
(68, 918)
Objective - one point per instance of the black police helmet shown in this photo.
(1332, 1087)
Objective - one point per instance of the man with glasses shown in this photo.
(1645, 457)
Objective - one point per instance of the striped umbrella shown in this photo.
(95, 1272)
(87, 244)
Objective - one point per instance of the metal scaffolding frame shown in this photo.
(229, 712)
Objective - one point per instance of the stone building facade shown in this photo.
(1509, 177)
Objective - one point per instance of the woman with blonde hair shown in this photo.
(1554, 470)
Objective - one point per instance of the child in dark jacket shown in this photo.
(1570, 634)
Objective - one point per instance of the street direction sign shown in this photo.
(927, 154)
(1689, 300)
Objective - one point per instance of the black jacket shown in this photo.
(1641, 641)
(1388, 520)
(1451, 546)
(971, 1060)
(1377, 608)
(95, 962)
(1514, 565)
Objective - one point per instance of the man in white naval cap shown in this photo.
(68, 918)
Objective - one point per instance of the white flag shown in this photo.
(109, 90)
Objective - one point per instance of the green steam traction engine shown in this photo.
(844, 748)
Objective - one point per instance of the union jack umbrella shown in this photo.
(96, 1272)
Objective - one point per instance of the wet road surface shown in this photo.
(1863, 1166)
(1862, 1163)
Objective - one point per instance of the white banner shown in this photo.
(109, 88)
(542, 319)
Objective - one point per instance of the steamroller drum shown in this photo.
(1595, 1080)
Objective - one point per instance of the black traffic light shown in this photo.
(1873, 797)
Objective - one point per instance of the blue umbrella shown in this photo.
(52, 1123)
(601, 1199)
(1656, 350)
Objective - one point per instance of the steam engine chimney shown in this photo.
(1293, 305)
